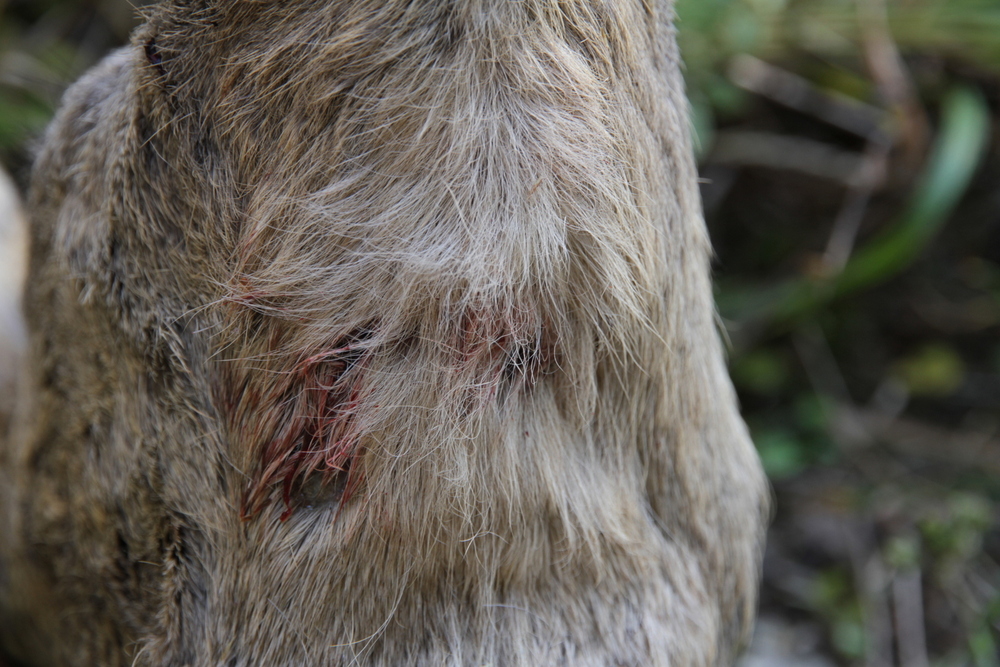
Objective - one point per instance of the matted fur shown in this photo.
(377, 332)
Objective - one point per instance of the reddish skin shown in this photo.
(317, 433)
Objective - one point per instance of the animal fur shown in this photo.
(377, 332)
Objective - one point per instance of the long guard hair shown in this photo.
(377, 332)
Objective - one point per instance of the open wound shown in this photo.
(306, 420)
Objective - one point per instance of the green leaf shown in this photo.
(935, 370)
(780, 452)
(958, 150)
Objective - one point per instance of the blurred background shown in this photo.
(851, 180)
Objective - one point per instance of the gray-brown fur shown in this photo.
(457, 245)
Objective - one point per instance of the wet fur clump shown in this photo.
(376, 333)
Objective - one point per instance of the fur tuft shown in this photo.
(377, 332)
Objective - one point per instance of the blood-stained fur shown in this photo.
(376, 332)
